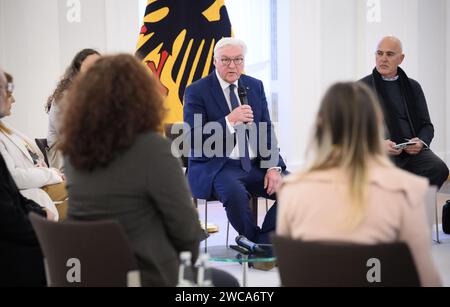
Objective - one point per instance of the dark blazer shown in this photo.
(145, 190)
(21, 262)
(422, 123)
(205, 97)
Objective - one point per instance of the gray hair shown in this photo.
(3, 83)
(3, 76)
(230, 41)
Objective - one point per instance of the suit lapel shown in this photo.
(217, 93)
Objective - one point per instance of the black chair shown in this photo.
(338, 264)
(102, 248)
(43, 146)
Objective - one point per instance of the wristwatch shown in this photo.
(278, 169)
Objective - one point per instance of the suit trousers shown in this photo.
(425, 164)
(233, 187)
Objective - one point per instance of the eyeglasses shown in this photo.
(389, 54)
(236, 61)
(10, 89)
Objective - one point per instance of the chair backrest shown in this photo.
(339, 264)
(99, 253)
(43, 146)
(173, 132)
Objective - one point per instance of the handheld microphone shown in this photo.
(242, 92)
(246, 243)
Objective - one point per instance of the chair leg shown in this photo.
(206, 225)
(436, 222)
(254, 208)
(47, 273)
(228, 232)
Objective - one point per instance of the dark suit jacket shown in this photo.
(145, 190)
(422, 122)
(205, 97)
(21, 262)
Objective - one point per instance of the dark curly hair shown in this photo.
(71, 72)
(106, 109)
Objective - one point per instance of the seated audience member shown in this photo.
(351, 191)
(406, 114)
(21, 262)
(120, 167)
(80, 64)
(26, 164)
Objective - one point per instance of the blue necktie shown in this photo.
(245, 160)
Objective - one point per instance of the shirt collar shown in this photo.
(224, 84)
(390, 79)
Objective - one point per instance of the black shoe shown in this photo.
(204, 235)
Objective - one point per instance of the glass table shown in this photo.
(229, 255)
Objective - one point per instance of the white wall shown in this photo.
(338, 37)
(285, 99)
(447, 84)
(303, 79)
(432, 65)
(30, 43)
(37, 43)
(123, 24)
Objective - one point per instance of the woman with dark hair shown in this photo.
(119, 166)
(80, 64)
(351, 191)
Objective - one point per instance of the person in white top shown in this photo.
(82, 61)
(26, 163)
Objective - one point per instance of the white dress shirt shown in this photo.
(234, 155)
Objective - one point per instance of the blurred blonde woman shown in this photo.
(351, 191)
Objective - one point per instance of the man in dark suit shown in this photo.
(406, 114)
(234, 153)
(21, 262)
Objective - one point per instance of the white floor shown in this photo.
(258, 278)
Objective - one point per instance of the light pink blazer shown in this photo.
(316, 207)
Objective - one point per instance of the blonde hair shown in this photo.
(4, 129)
(8, 78)
(348, 136)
